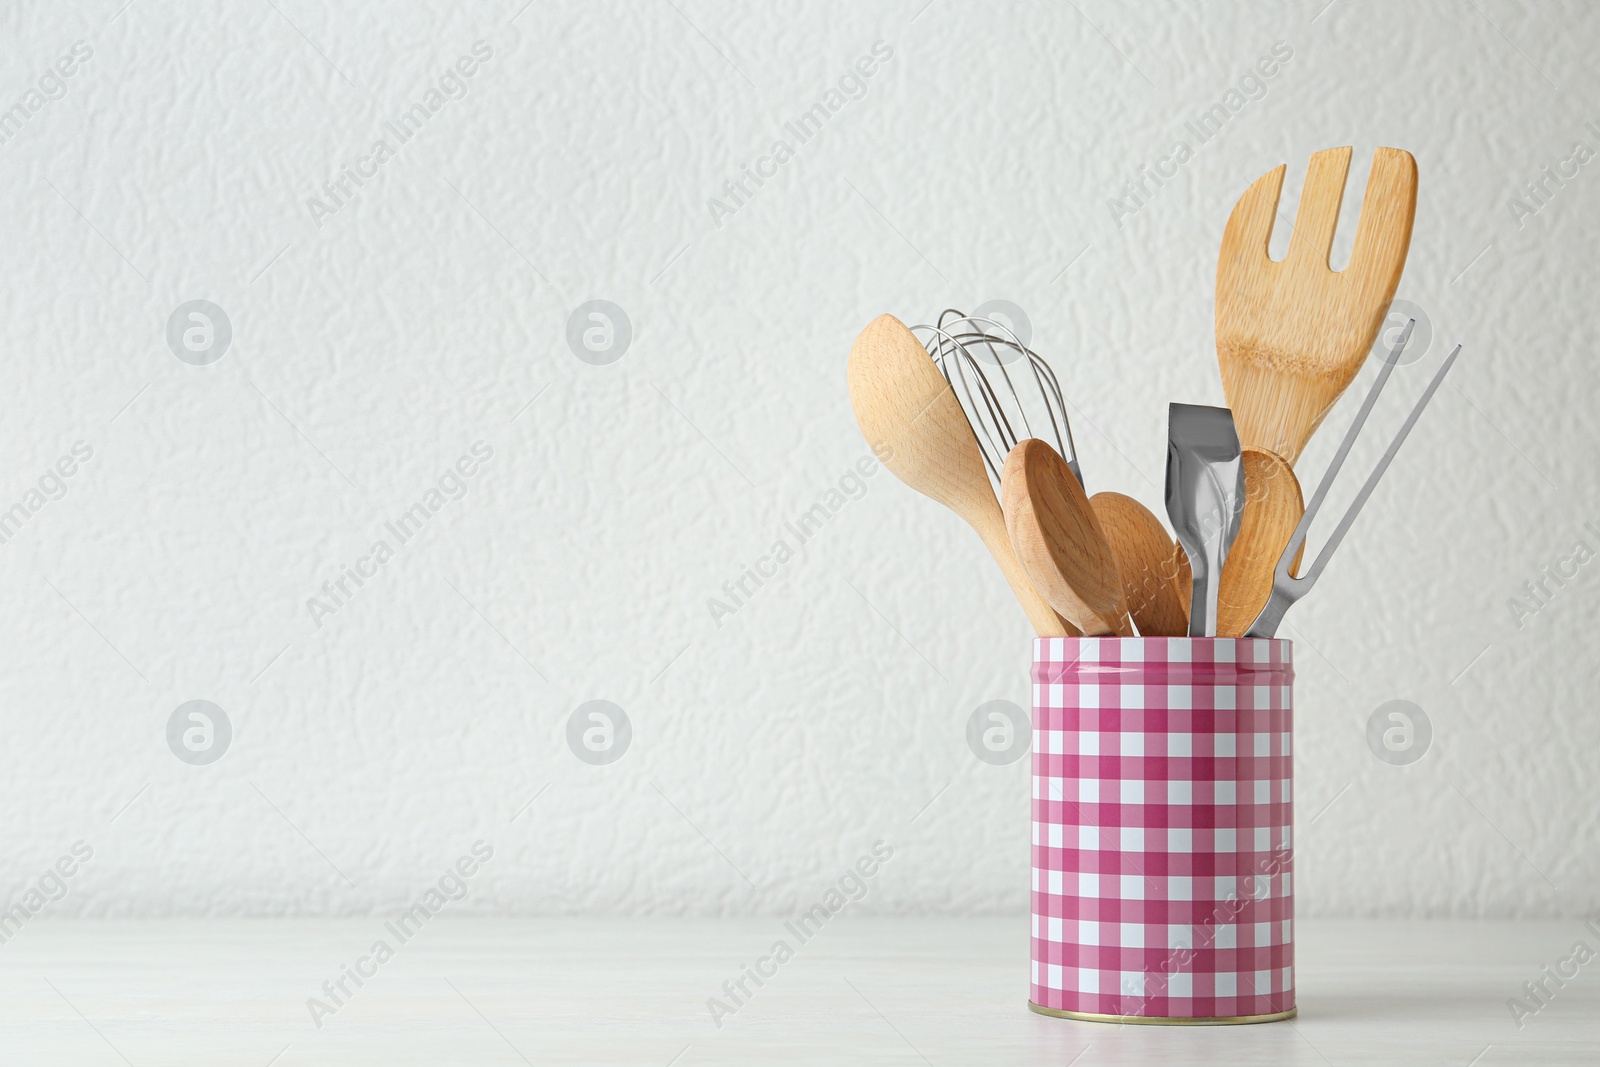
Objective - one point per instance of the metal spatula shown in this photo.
(1205, 495)
(1286, 589)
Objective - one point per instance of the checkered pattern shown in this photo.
(1162, 814)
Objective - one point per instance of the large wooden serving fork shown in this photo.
(1292, 334)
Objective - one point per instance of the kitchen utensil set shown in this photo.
(974, 411)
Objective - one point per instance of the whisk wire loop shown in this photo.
(975, 356)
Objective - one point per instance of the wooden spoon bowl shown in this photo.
(1272, 509)
(1059, 541)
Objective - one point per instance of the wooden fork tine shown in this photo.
(1250, 225)
(1314, 222)
(1383, 236)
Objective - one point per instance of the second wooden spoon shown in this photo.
(1146, 562)
(1059, 542)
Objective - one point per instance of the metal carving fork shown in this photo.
(1287, 589)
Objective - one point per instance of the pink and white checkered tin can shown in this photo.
(1162, 822)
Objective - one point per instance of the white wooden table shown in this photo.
(635, 992)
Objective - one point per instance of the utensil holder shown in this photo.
(1162, 829)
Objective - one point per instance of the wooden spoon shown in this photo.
(1059, 541)
(1272, 509)
(1292, 334)
(911, 418)
(1144, 553)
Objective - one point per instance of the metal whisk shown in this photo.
(975, 356)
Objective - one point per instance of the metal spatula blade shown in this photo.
(1205, 496)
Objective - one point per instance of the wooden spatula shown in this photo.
(904, 406)
(1059, 541)
(1144, 553)
(1272, 509)
(1292, 334)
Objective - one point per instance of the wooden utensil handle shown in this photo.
(1046, 623)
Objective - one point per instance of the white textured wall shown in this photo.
(371, 351)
